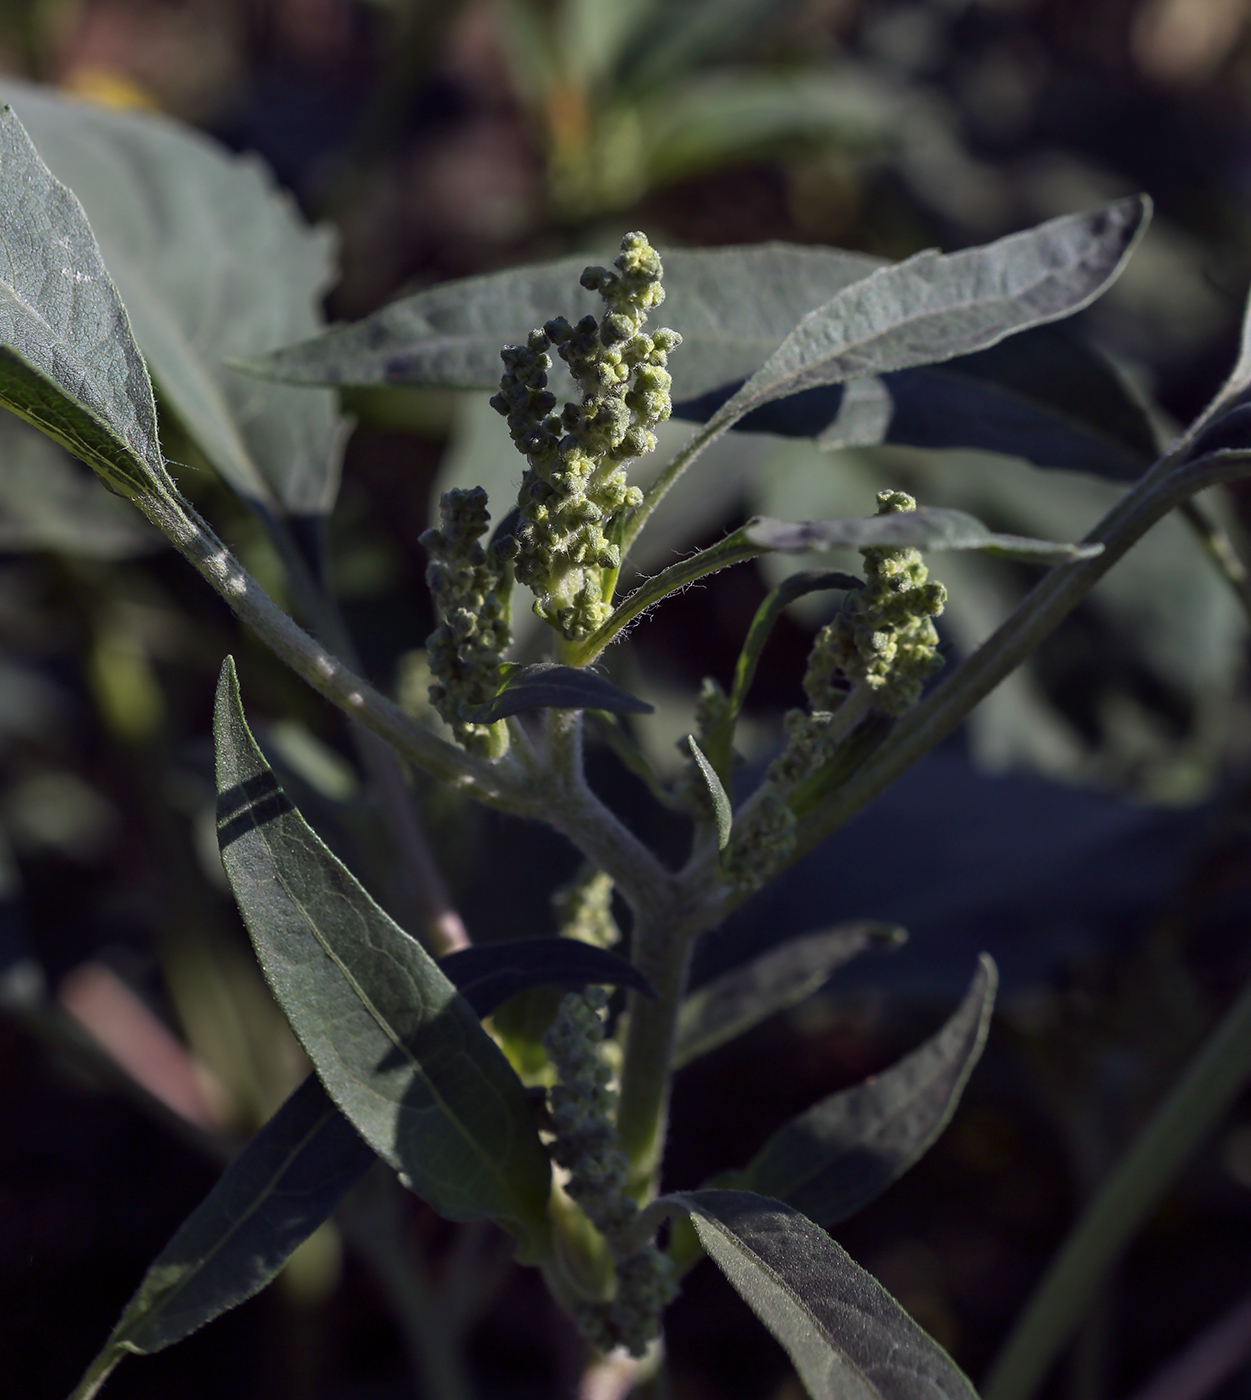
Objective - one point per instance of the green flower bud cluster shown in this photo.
(883, 635)
(583, 908)
(581, 1107)
(575, 488)
(472, 592)
(760, 844)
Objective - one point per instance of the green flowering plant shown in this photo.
(496, 1082)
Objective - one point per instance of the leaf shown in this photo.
(924, 528)
(726, 1007)
(489, 973)
(847, 1337)
(68, 362)
(546, 685)
(717, 794)
(732, 305)
(399, 1051)
(212, 262)
(268, 1201)
(836, 1157)
(936, 306)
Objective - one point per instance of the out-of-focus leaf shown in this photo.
(717, 796)
(836, 1157)
(732, 1004)
(399, 1051)
(212, 262)
(47, 501)
(489, 973)
(732, 305)
(847, 1337)
(923, 528)
(547, 685)
(935, 306)
(689, 32)
(276, 1192)
(68, 362)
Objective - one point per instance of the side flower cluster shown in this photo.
(581, 1106)
(471, 591)
(575, 488)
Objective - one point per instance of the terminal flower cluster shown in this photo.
(575, 491)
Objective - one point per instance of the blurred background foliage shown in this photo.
(1092, 828)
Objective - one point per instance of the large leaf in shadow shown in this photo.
(212, 262)
(399, 1051)
(733, 1003)
(841, 1153)
(546, 685)
(275, 1193)
(68, 362)
(846, 1336)
(489, 973)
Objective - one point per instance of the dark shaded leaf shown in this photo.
(717, 795)
(489, 973)
(835, 1158)
(547, 685)
(925, 528)
(399, 1051)
(725, 1008)
(275, 1193)
(847, 1337)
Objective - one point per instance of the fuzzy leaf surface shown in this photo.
(846, 1336)
(728, 1006)
(68, 361)
(397, 1048)
(546, 685)
(927, 527)
(212, 262)
(487, 974)
(841, 1153)
(717, 795)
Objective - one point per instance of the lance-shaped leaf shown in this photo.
(546, 685)
(718, 798)
(399, 1051)
(924, 528)
(836, 1157)
(68, 361)
(733, 1003)
(275, 1193)
(936, 306)
(489, 973)
(211, 262)
(846, 1336)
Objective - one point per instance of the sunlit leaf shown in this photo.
(718, 798)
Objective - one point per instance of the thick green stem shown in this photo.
(1197, 1103)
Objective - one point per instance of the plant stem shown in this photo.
(1196, 1104)
(1220, 549)
(700, 439)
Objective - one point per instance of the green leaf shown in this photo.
(836, 1157)
(717, 795)
(934, 306)
(546, 685)
(399, 1051)
(488, 974)
(733, 1003)
(268, 1201)
(68, 361)
(847, 1337)
(732, 305)
(924, 528)
(212, 262)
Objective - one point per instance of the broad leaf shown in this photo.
(275, 1193)
(546, 685)
(718, 798)
(489, 973)
(212, 262)
(68, 361)
(399, 1051)
(732, 305)
(936, 306)
(733, 1003)
(835, 1158)
(924, 528)
(847, 1337)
